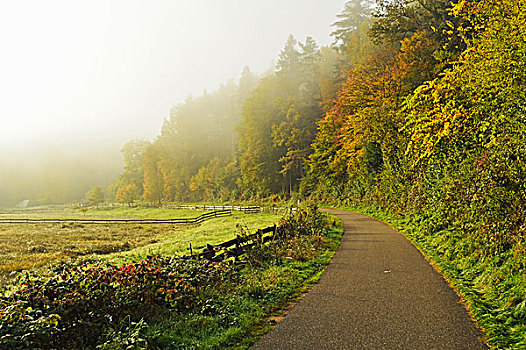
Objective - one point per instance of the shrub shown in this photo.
(300, 235)
(73, 309)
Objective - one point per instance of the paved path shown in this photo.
(378, 293)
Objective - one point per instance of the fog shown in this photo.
(79, 79)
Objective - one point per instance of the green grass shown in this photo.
(224, 306)
(102, 212)
(236, 320)
(34, 246)
(141, 212)
(213, 232)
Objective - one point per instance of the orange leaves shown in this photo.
(364, 110)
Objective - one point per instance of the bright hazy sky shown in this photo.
(77, 71)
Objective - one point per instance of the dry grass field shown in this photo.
(36, 246)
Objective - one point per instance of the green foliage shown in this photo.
(128, 335)
(349, 20)
(53, 244)
(432, 130)
(163, 302)
(95, 196)
(73, 309)
(154, 179)
(253, 139)
(204, 182)
(259, 161)
(194, 156)
(279, 122)
(127, 194)
(304, 221)
(133, 174)
(301, 233)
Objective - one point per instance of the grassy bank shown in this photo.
(492, 286)
(166, 303)
(237, 318)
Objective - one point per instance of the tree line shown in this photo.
(409, 94)
(250, 139)
(432, 122)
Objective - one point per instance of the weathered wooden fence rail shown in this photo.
(237, 246)
(190, 221)
(246, 209)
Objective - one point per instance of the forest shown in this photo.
(414, 105)
(250, 139)
(416, 109)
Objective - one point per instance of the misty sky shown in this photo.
(74, 72)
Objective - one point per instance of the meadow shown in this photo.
(145, 298)
(28, 247)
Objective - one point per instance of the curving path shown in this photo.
(378, 293)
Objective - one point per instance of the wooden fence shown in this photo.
(190, 221)
(245, 209)
(237, 246)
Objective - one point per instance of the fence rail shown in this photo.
(197, 220)
(246, 209)
(237, 246)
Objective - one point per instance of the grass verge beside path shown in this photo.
(237, 319)
(169, 303)
(492, 287)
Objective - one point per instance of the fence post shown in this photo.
(237, 249)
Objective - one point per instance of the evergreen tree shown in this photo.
(349, 20)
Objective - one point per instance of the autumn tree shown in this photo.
(197, 131)
(153, 177)
(363, 134)
(95, 196)
(127, 194)
(205, 181)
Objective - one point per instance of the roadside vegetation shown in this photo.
(163, 302)
(433, 134)
(492, 286)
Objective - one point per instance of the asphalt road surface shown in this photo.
(378, 293)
